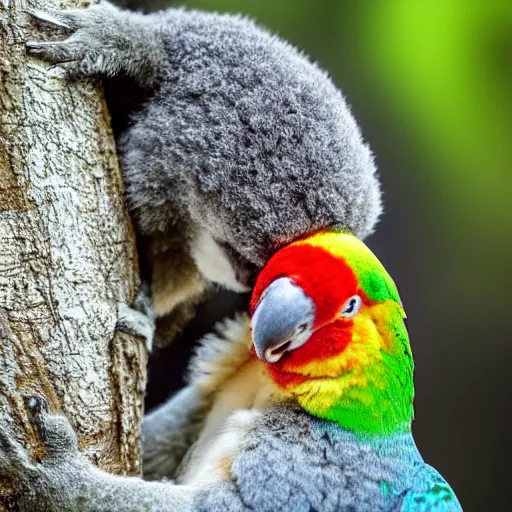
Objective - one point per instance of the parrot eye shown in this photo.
(351, 307)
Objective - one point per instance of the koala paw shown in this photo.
(103, 41)
(54, 431)
(52, 479)
(86, 52)
(137, 323)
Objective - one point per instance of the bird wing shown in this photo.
(430, 493)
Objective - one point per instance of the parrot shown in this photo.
(305, 403)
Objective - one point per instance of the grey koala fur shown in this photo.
(236, 136)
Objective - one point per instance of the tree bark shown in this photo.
(67, 256)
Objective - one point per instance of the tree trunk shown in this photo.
(67, 256)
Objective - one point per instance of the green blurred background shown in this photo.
(430, 83)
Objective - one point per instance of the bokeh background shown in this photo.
(430, 83)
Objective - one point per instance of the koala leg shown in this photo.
(103, 41)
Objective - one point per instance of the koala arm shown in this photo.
(64, 480)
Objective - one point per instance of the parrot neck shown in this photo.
(382, 406)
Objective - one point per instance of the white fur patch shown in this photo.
(213, 263)
(241, 390)
(212, 455)
(220, 354)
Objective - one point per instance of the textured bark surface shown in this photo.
(67, 257)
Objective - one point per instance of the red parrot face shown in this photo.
(303, 297)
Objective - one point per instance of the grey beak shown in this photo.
(282, 320)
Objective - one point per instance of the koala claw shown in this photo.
(51, 18)
(36, 406)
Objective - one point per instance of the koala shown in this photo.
(232, 143)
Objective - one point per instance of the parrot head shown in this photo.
(328, 323)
